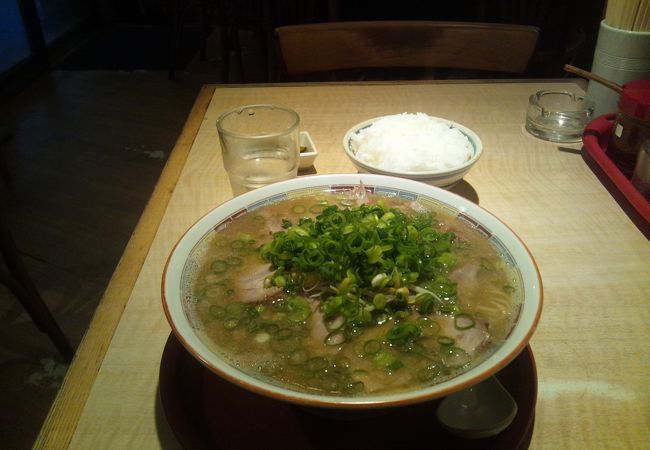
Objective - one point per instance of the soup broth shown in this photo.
(351, 294)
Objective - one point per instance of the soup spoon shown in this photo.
(480, 411)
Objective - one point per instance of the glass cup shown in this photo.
(558, 116)
(259, 145)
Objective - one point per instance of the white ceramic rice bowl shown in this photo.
(175, 288)
(442, 178)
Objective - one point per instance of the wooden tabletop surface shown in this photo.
(590, 346)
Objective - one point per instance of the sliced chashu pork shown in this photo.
(472, 340)
(250, 286)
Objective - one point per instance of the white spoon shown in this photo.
(481, 411)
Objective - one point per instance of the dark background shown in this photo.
(138, 35)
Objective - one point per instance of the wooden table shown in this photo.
(591, 344)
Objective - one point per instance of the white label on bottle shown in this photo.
(619, 130)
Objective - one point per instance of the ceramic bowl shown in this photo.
(442, 178)
(176, 289)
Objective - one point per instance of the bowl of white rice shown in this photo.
(415, 146)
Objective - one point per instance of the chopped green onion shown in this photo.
(385, 359)
(279, 281)
(336, 337)
(374, 254)
(355, 228)
(371, 260)
(335, 323)
(316, 209)
(402, 293)
(254, 310)
(237, 244)
(463, 321)
(402, 333)
(446, 260)
(230, 324)
(219, 266)
(379, 301)
(446, 340)
(425, 302)
(456, 357)
(215, 291)
(236, 309)
(299, 309)
(394, 365)
(402, 314)
(234, 260)
(371, 347)
(379, 281)
(429, 372)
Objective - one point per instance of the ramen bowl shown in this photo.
(178, 291)
(407, 165)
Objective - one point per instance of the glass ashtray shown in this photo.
(558, 116)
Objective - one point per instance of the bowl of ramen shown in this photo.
(416, 146)
(351, 291)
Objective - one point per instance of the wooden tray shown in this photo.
(205, 411)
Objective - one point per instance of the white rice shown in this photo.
(412, 143)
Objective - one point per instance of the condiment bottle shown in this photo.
(632, 125)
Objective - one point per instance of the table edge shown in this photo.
(580, 82)
(63, 417)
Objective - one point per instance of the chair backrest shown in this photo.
(335, 46)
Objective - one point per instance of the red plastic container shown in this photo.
(596, 138)
(632, 125)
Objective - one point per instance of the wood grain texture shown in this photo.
(595, 265)
(391, 44)
(61, 422)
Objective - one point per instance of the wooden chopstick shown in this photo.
(592, 76)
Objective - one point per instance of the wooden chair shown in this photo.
(18, 281)
(337, 46)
